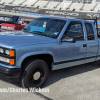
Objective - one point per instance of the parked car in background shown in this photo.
(16, 26)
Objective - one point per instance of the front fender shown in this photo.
(22, 58)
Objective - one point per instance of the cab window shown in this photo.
(75, 30)
(89, 30)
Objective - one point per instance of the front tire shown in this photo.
(35, 74)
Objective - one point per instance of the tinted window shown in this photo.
(89, 30)
(75, 30)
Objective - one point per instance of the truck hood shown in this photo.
(20, 38)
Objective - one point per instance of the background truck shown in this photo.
(47, 43)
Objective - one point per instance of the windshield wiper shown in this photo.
(37, 31)
(48, 35)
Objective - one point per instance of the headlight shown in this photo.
(7, 52)
(9, 57)
(3, 59)
(10, 53)
(1, 50)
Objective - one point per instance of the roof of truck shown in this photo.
(72, 19)
(60, 18)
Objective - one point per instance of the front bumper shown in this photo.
(10, 73)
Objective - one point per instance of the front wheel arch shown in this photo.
(46, 57)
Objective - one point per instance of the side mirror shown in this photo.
(68, 39)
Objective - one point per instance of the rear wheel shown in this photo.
(35, 74)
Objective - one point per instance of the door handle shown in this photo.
(84, 45)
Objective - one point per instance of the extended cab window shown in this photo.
(75, 30)
(89, 30)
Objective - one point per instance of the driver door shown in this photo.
(71, 54)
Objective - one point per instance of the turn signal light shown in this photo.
(12, 61)
(12, 53)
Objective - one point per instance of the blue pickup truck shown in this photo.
(47, 43)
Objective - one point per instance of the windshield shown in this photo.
(46, 27)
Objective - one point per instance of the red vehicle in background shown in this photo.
(14, 27)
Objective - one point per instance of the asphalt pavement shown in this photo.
(75, 83)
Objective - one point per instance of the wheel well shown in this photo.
(46, 57)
